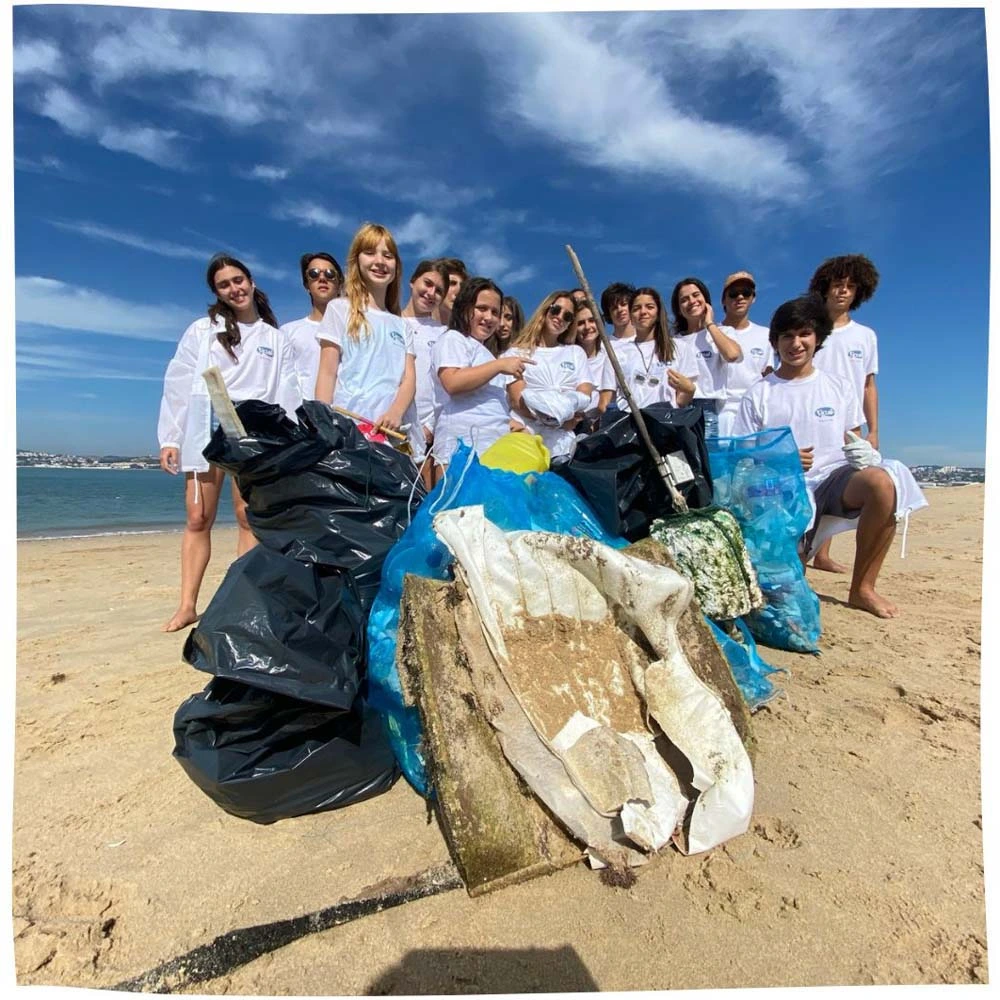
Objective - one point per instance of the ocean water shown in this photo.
(59, 503)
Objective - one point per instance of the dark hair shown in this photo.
(680, 323)
(661, 337)
(578, 308)
(495, 343)
(454, 266)
(230, 337)
(321, 255)
(461, 311)
(616, 292)
(437, 266)
(855, 266)
(807, 312)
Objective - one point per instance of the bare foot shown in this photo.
(182, 618)
(868, 600)
(828, 565)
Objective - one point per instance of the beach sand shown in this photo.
(863, 863)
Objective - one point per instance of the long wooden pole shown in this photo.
(676, 497)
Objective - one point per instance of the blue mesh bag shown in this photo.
(530, 502)
(759, 480)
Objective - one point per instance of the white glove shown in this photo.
(860, 454)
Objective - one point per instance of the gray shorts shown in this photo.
(829, 498)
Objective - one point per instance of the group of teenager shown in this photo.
(461, 363)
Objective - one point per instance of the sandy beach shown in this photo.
(863, 864)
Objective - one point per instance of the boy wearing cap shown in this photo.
(323, 279)
(845, 283)
(738, 293)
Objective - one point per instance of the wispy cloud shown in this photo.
(37, 57)
(49, 302)
(164, 248)
(487, 259)
(430, 235)
(79, 119)
(308, 213)
(265, 172)
(35, 363)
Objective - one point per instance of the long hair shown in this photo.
(230, 336)
(530, 335)
(661, 332)
(465, 301)
(580, 306)
(680, 323)
(498, 345)
(366, 239)
(855, 266)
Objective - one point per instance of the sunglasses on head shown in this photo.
(557, 310)
(742, 292)
(328, 272)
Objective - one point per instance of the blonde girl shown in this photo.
(366, 360)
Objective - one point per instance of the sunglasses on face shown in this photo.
(327, 272)
(741, 293)
(556, 310)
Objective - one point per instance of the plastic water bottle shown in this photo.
(711, 421)
(763, 494)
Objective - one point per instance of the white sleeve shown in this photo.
(607, 375)
(748, 419)
(451, 352)
(333, 325)
(177, 389)
(686, 359)
(289, 391)
(408, 344)
(873, 364)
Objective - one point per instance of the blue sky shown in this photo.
(660, 143)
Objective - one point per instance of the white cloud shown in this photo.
(431, 236)
(163, 248)
(37, 57)
(49, 302)
(36, 362)
(67, 111)
(491, 262)
(308, 214)
(343, 128)
(153, 144)
(264, 172)
(519, 275)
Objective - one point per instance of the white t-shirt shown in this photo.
(264, 370)
(371, 367)
(851, 351)
(819, 408)
(430, 396)
(712, 374)
(601, 376)
(305, 352)
(646, 374)
(478, 417)
(562, 367)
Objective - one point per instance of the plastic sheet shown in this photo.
(749, 670)
(613, 471)
(540, 502)
(759, 480)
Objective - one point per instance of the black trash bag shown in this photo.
(290, 627)
(613, 471)
(264, 757)
(319, 491)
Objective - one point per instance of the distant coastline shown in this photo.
(48, 460)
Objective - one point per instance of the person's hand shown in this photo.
(806, 458)
(677, 381)
(709, 314)
(170, 460)
(390, 420)
(514, 365)
(859, 453)
(572, 422)
(428, 434)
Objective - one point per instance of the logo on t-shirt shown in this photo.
(756, 352)
(825, 412)
(568, 365)
(266, 351)
(856, 355)
(706, 354)
(398, 337)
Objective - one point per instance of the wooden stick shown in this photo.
(379, 427)
(229, 419)
(680, 504)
